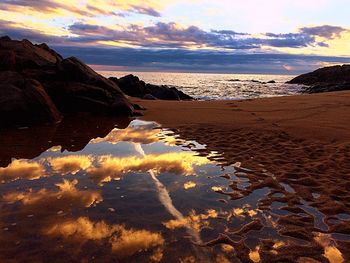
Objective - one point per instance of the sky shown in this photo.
(228, 36)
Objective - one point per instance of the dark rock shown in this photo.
(328, 87)
(335, 74)
(67, 84)
(182, 95)
(138, 107)
(26, 55)
(271, 82)
(149, 97)
(133, 86)
(162, 92)
(24, 101)
(335, 78)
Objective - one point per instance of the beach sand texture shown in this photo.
(297, 146)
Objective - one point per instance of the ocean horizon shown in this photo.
(218, 86)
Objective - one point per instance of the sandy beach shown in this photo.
(301, 141)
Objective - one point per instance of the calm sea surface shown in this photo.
(218, 86)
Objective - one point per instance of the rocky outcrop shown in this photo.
(133, 86)
(335, 78)
(24, 101)
(38, 85)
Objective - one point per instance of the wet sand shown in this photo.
(297, 146)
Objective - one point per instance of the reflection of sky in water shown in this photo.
(139, 194)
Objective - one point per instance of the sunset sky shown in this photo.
(277, 36)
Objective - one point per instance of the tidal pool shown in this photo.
(140, 193)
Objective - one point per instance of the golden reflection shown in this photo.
(189, 185)
(55, 149)
(67, 196)
(216, 189)
(21, 169)
(221, 258)
(194, 221)
(124, 242)
(227, 248)
(254, 255)
(177, 162)
(130, 241)
(70, 163)
(278, 244)
(331, 252)
(157, 255)
(138, 134)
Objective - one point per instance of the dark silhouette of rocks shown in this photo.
(24, 101)
(133, 86)
(335, 78)
(38, 85)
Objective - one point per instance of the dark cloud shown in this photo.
(198, 61)
(326, 31)
(168, 35)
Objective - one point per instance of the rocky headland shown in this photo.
(335, 78)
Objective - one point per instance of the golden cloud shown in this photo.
(189, 185)
(144, 135)
(124, 242)
(193, 220)
(21, 169)
(177, 162)
(70, 163)
(65, 198)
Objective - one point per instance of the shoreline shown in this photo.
(321, 116)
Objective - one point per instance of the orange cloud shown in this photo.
(124, 242)
(70, 163)
(110, 167)
(21, 169)
(66, 197)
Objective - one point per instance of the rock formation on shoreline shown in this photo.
(335, 78)
(37, 85)
(131, 85)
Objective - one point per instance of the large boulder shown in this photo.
(335, 78)
(133, 86)
(23, 54)
(24, 101)
(64, 84)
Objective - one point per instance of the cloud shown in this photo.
(169, 46)
(83, 9)
(110, 167)
(172, 35)
(66, 197)
(21, 169)
(70, 163)
(134, 59)
(124, 242)
(326, 31)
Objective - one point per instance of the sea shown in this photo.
(206, 86)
